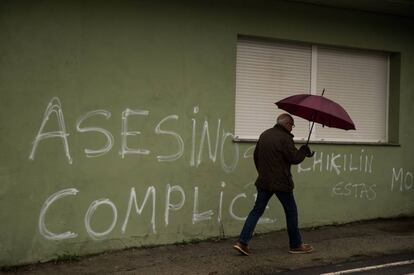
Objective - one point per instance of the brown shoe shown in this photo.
(303, 248)
(242, 248)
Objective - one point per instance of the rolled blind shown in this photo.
(266, 73)
(358, 81)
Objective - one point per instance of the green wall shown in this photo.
(160, 79)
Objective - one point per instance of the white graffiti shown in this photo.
(133, 200)
(106, 133)
(125, 133)
(91, 210)
(180, 141)
(222, 138)
(222, 151)
(233, 165)
(42, 227)
(356, 190)
(234, 216)
(171, 204)
(197, 217)
(402, 181)
(339, 163)
(193, 136)
(249, 152)
(205, 133)
(55, 107)
(220, 209)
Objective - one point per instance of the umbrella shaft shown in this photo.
(310, 132)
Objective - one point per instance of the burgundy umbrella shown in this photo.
(317, 109)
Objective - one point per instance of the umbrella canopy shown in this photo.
(317, 109)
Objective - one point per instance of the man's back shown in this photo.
(275, 152)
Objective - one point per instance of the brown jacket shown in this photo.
(275, 152)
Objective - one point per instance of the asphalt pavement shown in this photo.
(338, 248)
(402, 263)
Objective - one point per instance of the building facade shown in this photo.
(120, 121)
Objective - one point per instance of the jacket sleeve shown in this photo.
(292, 154)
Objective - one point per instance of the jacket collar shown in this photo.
(278, 126)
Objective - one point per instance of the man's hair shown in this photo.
(283, 119)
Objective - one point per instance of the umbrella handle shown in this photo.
(307, 142)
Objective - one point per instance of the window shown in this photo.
(268, 71)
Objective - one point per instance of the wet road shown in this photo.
(390, 264)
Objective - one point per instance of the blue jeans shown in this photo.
(291, 213)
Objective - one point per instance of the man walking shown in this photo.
(274, 154)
